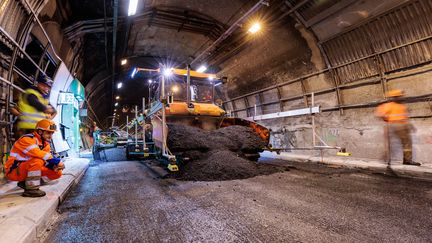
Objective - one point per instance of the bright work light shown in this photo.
(132, 7)
(255, 28)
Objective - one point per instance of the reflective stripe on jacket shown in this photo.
(393, 112)
(28, 147)
(29, 114)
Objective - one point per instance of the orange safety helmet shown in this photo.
(46, 125)
(394, 93)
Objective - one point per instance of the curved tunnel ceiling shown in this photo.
(176, 31)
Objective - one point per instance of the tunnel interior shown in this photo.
(215, 120)
(339, 55)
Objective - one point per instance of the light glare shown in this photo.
(132, 7)
(255, 28)
(119, 85)
(135, 70)
(167, 72)
(201, 69)
(123, 62)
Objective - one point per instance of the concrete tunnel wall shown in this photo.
(292, 51)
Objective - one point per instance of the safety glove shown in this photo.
(52, 163)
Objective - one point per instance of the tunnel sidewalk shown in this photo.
(23, 219)
(420, 172)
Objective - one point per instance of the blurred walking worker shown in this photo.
(396, 117)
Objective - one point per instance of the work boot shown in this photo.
(43, 181)
(33, 193)
(21, 184)
(412, 163)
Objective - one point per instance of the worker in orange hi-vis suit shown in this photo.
(396, 117)
(31, 159)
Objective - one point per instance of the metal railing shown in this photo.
(19, 18)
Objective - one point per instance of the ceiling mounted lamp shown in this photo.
(201, 69)
(134, 72)
(133, 4)
(123, 62)
(255, 28)
(117, 97)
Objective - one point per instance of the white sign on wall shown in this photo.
(66, 99)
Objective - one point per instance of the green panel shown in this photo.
(77, 89)
(71, 118)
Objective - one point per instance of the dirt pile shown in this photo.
(218, 155)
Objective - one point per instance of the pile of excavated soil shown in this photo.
(218, 155)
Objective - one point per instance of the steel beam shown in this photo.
(297, 112)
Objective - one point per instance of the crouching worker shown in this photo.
(30, 160)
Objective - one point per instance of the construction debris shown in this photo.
(218, 155)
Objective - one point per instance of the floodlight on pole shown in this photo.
(167, 72)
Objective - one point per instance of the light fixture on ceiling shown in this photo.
(255, 28)
(201, 69)
(134, 72)
(116, 104)
(117, 97)
(119, 85)
(123, 62)
(133, 4)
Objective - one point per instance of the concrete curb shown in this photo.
(24, 219)
(423, 172)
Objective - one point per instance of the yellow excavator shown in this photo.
(187, 97)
